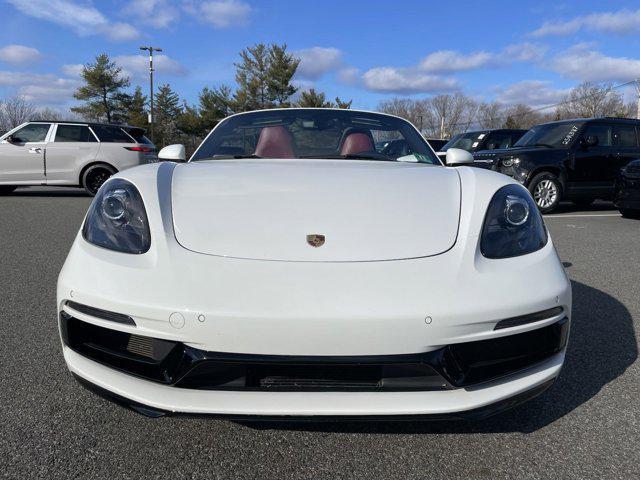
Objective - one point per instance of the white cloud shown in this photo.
(349, 75)
(40, 88)
(583, 64)
(316, 61)
(19, 54)
(525, 52)
(449, 61)
(445, 61)
(220, 13)
(82, 18)
(535, 93)
(157, 13)
(72, 70)
(623, 22)
(138, 65)
(121, 32)
(405, 81)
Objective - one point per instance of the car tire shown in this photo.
(629, 213)
(95, 176)
(583, 202)
(6, 189)
(546, 191)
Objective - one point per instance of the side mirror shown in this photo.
(457, 156)
(12, 139)
(174, 153)
(590, 141)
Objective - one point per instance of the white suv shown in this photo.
(70, 154)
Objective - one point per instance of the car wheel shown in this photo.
(95, 176)
(546, 190)
(628, 213)
(583, 202)
(5, 189)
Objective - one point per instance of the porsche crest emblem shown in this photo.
(315, 240)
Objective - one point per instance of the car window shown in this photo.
(625, 136)
(112, 134)
(34, 132)
(138, 135)
(315, 133)
(74, 133)
(467, 141)
(393, 143)
(498, 140)
(604, 134)
(553, 135)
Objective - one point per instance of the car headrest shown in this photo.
(356, 142)
(275, 142)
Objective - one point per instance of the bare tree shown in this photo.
(415, 111)
(14, 111)
(451, 114)
(521, 116)
(49, 114)
(588, 100)
(491, 115)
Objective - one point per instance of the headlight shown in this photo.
(510, 162)
(117, 219)
(513, 225)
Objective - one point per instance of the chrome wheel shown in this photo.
(545, 194)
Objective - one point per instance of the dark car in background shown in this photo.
(482, 140)
(436, 143)
(627, 190)
(575, 160)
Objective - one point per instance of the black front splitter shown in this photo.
(475, 414)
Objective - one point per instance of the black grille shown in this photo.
(173, 363)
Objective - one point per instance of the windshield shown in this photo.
(466, 141)
(554, 135)
(315, 133)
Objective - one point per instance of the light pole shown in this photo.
(151, 49)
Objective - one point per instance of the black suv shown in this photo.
(577, 160)
(482, 140)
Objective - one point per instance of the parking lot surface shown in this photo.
(586, 426)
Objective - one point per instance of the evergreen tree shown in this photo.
(252, 78)
(264, 77)
(167, 109)
(136, 109)
(103, 91)
(343, 103)
(215, 104)
(313, 99)
(281, 68)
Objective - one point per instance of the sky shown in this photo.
(517, 51)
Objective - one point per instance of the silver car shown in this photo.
(70, 154)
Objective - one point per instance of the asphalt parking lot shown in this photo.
(586, 426)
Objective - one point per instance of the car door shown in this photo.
(593, 163)
(72, 146)
(625, 140)
(22, 155)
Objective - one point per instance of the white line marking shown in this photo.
(583, 215)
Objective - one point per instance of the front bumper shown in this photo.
(627, 194)
(468, 380)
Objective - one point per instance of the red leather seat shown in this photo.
(356, 142)
(275, 142)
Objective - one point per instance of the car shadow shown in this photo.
(48, 192)
(598, 206)
(602, 345)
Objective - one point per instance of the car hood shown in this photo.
(266, 209)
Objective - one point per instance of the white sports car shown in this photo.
(292, 269)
